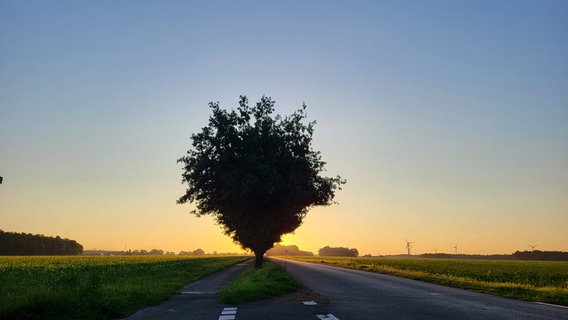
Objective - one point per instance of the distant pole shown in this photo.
(408, 245)
(1, 180)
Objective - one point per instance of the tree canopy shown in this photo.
(291, 250)
(328, 251)
(541, 255)
(256, 173)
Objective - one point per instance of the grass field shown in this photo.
(257, 284)
(543, 281)
(94, 287)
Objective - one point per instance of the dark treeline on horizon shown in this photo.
(328, 251)
(541, 255)
(464, 256)
(524, 255)
(292, 250)
(27, 244)
(154, 252)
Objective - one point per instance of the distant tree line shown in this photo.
(293, 250)
(154, 252)
(327, 251)
(196, 252)
(464, 256)
(541, 255)
(27, 244)
(337, 252)
(524, 255)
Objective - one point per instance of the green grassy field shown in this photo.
(543, 281)
(257, 284)
(95, 287)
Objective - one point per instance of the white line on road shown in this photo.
(328, 316)
(228, 314)
(552, 305)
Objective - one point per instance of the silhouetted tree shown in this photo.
(293, 250)
(198, 252)
(156, 252)
(328, 251)
(256, 174)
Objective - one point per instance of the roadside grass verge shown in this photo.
(95, 287)
(539, 281)
(270, 281)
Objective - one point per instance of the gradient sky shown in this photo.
(449, 119)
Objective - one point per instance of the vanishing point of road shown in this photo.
(344, 294)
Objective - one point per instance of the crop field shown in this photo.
(543, 281)
(95, 287)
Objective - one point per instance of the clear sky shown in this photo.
(449, 119)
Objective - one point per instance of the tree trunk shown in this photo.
(258, 259)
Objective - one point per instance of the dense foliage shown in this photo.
(292, 250)
(25, 244)
(328, 251)
(541, 255)
(256, 174)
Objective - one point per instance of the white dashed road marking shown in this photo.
(327, 317)
(228, 314)
(198, 292)
(310, 303)
(552, 305)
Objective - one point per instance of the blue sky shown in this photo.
(447, 118)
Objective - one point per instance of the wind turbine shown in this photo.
(456, 248)
(408, 245)
(436, 250)
(532, 246)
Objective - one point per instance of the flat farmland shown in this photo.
(81, 287)
(539, 281)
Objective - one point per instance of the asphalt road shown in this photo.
(196, 301)
(343, 294)
(364, 295)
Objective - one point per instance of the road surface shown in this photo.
(356, 294)
(344, 294)
(196, 301)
